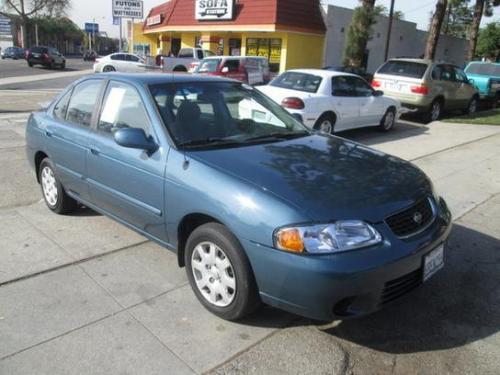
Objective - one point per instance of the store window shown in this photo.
(268, 48)
(142, 49)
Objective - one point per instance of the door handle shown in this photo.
(48, 134)
(95, 150)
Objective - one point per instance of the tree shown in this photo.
(488, 42)
(482, 7)
(458, 18)
(381, 10)
(435, 29)
(25, 9)
(360, 31)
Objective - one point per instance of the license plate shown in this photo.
(36, 55)
(433, 262)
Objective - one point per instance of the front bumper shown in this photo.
(350, 284)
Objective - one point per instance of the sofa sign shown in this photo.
(214, 10)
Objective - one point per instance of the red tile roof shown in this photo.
(298, 15)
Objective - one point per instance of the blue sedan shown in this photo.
(257, 207)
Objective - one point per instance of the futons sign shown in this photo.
(214, 10)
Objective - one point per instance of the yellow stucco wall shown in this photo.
(304, 51)
(141, 38)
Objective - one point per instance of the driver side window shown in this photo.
(362, 88)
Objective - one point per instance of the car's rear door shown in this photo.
(67, 133)
(125, 182)
(345, 102)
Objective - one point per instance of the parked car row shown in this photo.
(14, 53)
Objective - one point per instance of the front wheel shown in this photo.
(53, 192)
(388, 121)
(30, 65)
(108, 68)
(471, 107)
(219, 272)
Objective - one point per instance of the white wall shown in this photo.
(406, 40)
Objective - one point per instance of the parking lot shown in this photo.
(81, 293)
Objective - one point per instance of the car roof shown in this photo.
(159, 78)
(321, 72)
(412, 59)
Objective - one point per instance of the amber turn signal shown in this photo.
(290, 239)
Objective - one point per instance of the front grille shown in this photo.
(412, 220)
(396, 288)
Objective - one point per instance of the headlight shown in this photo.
(340, 236)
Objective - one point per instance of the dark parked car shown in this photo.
(90, 56)
(14, 53)
(46, 56)
(257, 207)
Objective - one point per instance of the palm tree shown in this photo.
(435, 29)
(359, 33)
(482, 7)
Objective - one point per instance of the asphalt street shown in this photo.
(17, 68)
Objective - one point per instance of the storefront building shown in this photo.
(289, 33)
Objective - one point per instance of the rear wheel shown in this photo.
(63, 66)
(388, 121)
(30, 64)
(325, 124)
(219, 272)
(435, 110)
(53, 192)
(495, 103)
(180, 68)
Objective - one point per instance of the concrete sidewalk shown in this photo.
(82, 294)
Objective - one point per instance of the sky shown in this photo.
(417, 11)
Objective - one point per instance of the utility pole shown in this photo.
(121, 37)
(389, 30)
(36, 34)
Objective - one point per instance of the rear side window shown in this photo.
(298, 81)
(186, 53)
(123, 108)
(82, 102)
(132, 58)
(403, 68)
(343, 86)
(118, 56)
(232, 65)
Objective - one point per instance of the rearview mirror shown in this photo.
(471, 81)
(378, 93)
(135, 138)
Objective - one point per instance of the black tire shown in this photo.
(108, 68)
(495, 102)
(435, 111)
(30, 65)
(245, 299)
(64, 204)
(63, 66)
(325, 118)
(52, 65)
(385, 124)
(472, 106)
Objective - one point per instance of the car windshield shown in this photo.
(222, 114)
(484, 69)
(404, 68)
(208, 66)
(297, 81)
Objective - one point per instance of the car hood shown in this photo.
(325, 177)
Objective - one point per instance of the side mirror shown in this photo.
(135, 138)
(471, 82)
(225, 70)
(378, 93)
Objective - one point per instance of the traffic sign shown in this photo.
(92, 28)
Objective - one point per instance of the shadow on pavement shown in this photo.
(457, 306)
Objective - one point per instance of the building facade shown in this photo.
(406, 40)
(289, 33)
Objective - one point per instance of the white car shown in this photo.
(331, 101)
(120, 62)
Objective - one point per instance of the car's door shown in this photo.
(118, 61)
(345, 102)
(371, 107)
(450, 86)
(127, 182)
(68, 132)
(465, 90)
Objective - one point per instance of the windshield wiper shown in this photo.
(277, 136)
(208, 142)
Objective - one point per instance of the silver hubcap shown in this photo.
(472, 106)
(326, 127)
(214, 274)
(49, 186)
(436, 111)
(389, 120)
